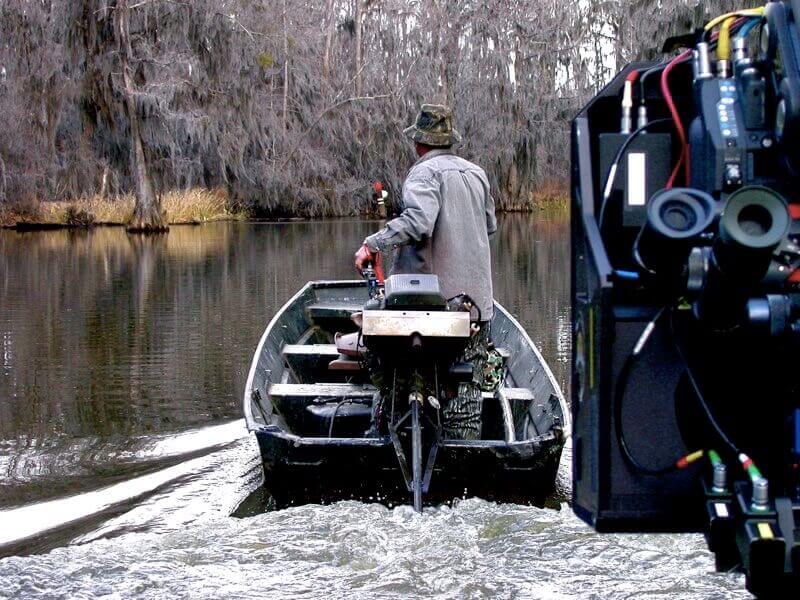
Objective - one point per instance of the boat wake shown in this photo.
(44, 525)
(475, 549)
(170, 532)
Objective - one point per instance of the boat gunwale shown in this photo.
(248, 388)
(567, 414)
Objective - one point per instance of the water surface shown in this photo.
(123, 453)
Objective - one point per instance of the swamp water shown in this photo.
(123, 453)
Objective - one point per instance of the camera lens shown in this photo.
(679, 216)
(680, 213)
(754, 221)
(674, 220)
(754, 218)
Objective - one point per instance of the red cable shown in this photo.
(684, 156)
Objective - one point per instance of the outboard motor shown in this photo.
(413, 322)
(413, 339)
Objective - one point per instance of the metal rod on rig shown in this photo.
(416, 450)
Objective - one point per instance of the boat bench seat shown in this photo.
(351, 391)
(310, 363)
(308, 359)
(332, 316)
(330, 392)
(309, 407)
(511, 394)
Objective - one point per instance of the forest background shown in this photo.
(291, 108)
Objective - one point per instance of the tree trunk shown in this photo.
(2, 181)
(331, 21)
(285, 70)
(147, 212)
(359, 56)
(104, 183)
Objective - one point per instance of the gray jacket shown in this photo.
(448, 216)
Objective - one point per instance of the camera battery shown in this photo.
(643, 171)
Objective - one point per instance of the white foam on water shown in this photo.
(31, 459)
(192, 441)
(27, 521)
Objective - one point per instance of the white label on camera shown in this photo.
(637, 162)
(722, 509)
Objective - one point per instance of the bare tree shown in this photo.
(2, 180)
(330, 24)
(147, 212)
(359, 24)
(285, 69)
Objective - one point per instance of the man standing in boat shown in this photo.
(444, 228)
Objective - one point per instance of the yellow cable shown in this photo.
(694, 456)
(724, 40)
(748, 12)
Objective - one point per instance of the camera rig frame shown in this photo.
(686, 296)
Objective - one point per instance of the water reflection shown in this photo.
(532, 277)
(109, 339)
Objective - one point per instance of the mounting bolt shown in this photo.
(760, 494)
(720, 479)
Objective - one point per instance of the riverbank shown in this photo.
(190, 207)
(183, 207)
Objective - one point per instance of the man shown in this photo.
(447, 218)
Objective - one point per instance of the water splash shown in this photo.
(474, 550)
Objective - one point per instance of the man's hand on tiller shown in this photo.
(363, 256)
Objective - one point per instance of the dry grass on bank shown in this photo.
(550, 196)
(203, 206)
(191, 206)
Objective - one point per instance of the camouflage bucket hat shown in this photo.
(434, 127)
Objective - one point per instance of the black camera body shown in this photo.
(686, 297)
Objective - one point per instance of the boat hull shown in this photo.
(311, 423)
(315, 470)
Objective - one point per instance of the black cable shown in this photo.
(696, 387)
(612, 171)
(335, 412)
(643, 80)
(619, 393)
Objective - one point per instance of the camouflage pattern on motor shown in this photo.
(434, 127)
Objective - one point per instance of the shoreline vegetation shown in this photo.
(197, 206)
(294, 108)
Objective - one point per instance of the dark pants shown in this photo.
(461, 416)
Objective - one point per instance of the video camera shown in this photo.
(686, 296)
